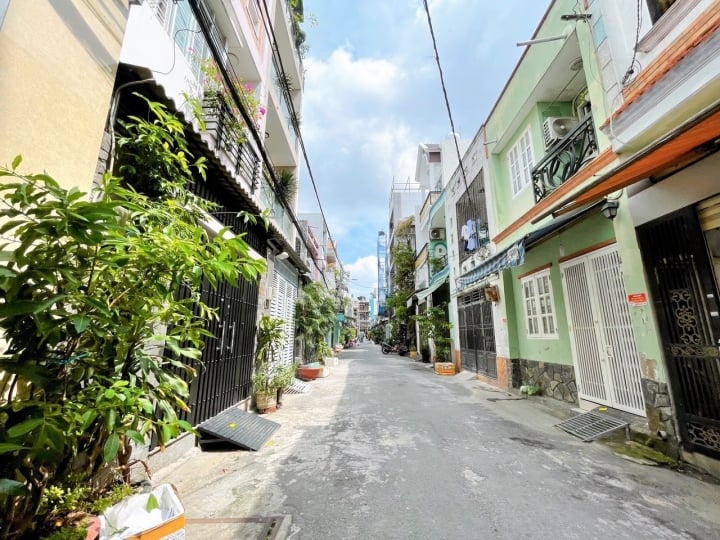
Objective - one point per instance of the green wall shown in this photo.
(591, 231)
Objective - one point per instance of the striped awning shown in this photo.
(437, 281)
(507, 258)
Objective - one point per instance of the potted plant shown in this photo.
(314, 318)
(325, 355)
(265, 395)
(435, 328)
(269, 341)
(283, 376)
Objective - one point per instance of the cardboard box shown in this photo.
(155, 515)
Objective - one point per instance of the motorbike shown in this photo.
(394, 348)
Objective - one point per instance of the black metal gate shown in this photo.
(477, 334)
(223, 374)
(686, 303)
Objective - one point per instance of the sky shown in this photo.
(372, 94)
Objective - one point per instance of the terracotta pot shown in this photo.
(309, 373)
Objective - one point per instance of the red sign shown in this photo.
(637, 299)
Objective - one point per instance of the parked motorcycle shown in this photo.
(394, 348)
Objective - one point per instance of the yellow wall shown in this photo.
(57, 68)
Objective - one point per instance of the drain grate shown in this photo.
(267, 526)
(591, 425)
(298, 387)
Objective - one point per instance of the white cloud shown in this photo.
(363, 275)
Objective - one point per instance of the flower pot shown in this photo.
(266, 401)
(309, 372)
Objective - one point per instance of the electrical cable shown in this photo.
(473, 203)
(226, 75)
(627, 78)
(280, 69)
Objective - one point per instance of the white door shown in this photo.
(282, 306)
(601, 333)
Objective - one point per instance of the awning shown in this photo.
(559, 224)
(507, 258)
(515, 254)
(438, 280)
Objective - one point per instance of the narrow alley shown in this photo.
(384, 448)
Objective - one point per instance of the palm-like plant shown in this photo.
(286, 184)
(314, 317)
(270, 340)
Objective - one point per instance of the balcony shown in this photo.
(231, 140)
(565, 158)
(438, 264)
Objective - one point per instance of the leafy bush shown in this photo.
(97, 339)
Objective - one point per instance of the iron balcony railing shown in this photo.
(231, 138)
(564, 159)
(438, 264)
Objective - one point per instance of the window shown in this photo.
(254, 16)
(471, 214)
(520, 163)
(657, 8)
(540, 319)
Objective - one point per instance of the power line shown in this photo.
(205, 24)
(473, 203)
(278, 64)
(445, 94)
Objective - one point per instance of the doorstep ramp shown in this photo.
(235, 426)
(591, 425)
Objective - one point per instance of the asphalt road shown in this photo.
(383, 449)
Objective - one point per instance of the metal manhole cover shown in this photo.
(591, 425)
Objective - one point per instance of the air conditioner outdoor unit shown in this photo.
(555, 128)
(437, 234)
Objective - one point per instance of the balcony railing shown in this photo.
(564, 159)
(231, 138)
(438, 264)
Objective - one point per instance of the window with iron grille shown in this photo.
(540, 320)
(520, 162)
(471, 207)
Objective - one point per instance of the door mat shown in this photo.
(591, 425)
(240, 428)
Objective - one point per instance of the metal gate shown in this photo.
(601, 332)
(223, 374)
(686, 303)
(477, 334)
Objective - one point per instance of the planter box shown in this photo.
(130, 519)
(309, 373)
(444, 368)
